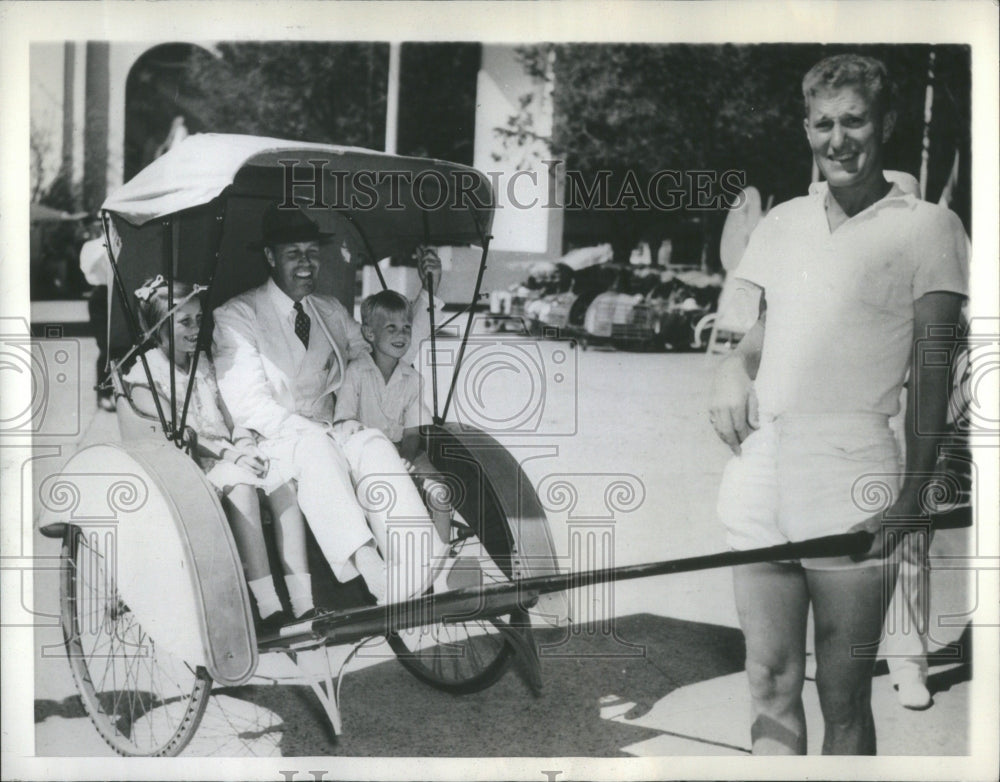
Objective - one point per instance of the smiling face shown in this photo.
(294, 267)
(846, 132)
(389, 334)
(187, 322)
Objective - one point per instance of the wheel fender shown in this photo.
(495, 489)
(175, 562)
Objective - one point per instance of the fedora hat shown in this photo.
(284, 226)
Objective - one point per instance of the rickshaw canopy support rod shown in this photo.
(429, 283)
(468, 329)
(133, 327)
(192, 374)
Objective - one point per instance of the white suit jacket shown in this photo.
(256, 361)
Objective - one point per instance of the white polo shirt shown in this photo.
(840, 305)
(389, 407)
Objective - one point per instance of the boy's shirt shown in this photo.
(390, 407)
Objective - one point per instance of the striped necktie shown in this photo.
(301, 324)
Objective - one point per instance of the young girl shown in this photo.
(230, 458)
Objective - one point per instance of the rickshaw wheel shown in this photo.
(460, 657)
(142, 700)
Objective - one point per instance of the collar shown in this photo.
(281, 300)
(368, 365)
(822, 189)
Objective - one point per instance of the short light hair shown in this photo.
(384, 302)
(153, 308)
(851, 70)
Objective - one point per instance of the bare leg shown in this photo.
(773, 606)
(243, 511)
(289, 529)
(849, 607)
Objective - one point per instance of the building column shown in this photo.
(527, 220)
(95, 158)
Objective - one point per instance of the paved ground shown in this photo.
(664, 678)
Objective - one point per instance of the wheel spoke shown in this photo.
(142, 700)
(461, 656)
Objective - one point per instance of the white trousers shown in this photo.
(356, 490)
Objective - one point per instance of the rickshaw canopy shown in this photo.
(457, 199)
(194, 214)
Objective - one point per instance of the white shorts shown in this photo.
(804, 476)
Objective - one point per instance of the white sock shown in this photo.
(267, 598)
(299, 592)
(372, 570)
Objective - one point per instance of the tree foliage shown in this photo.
(310, 91)
(633, 110)
(336, 93)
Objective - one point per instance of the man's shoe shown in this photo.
(914, 695)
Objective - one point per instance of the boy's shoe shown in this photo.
(914, 695)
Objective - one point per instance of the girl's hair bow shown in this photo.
(147, 290)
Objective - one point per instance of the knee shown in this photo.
(243, 501)
(775, 681)
(371, 441)
(842, 702)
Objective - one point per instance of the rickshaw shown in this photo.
(144, 663)
(158, 625)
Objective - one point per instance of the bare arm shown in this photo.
(926, 412)
(927, 400)
(733, 410)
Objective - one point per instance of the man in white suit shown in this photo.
(280, 354)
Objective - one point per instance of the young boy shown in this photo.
(383, 392)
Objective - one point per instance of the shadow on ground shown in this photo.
(638, 659)
(388, 712)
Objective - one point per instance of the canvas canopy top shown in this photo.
(393, 200)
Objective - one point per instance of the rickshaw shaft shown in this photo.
(471, 603)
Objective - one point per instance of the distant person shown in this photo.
(96, 268)
(178, 132)
(905, 643)
(850, 276)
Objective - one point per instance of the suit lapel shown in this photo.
(324, 333)
(274, 341)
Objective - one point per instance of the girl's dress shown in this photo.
(204, 416)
